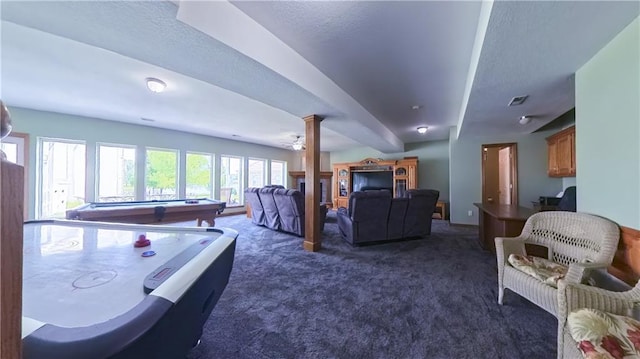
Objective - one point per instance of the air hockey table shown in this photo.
(89, 292)
(148, 212)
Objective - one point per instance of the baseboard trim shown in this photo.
(463, 225)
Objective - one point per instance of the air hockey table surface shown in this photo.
(88, 292)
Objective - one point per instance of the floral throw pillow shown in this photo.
(603, 335)
(543, 269)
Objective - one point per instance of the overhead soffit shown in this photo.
(534, 48)
(387, 55)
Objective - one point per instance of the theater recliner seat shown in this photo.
(283, 209)
(257, 212)
(272, 216)
(290, 205)
(422, 204)
(374, 216)
(366, 218)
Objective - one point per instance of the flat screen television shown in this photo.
(372, 180)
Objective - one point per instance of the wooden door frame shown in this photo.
(514, 168)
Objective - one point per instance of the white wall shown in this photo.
(299, 161)
(608, 130)
(91, 130)
(466, 172)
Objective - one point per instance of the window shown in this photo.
(10, 150)
(116, 173)
(61, 167)
(257, 172)
(230, 180)
(161, 174)
(15, 147)
(278, 169)
(199, 177)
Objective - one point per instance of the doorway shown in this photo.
(500, 173)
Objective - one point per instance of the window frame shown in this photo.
(265, 163)
(177, 171)
(21, 140)
(39, 169)
(241, 181)
(212, 157)
(97, 165)
(284, 172)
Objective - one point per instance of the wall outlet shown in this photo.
(470, 213)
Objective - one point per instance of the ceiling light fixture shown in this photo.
(297, 145)
(422, 129)
(525, 119)
(155, 85)
(416, 107)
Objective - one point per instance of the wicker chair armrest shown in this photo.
(578, 271)
(506, 246)
(572, 296)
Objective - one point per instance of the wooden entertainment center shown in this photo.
(395, 175)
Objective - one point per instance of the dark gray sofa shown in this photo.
(280, 209)
(375, 216)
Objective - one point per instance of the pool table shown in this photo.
(150, 212)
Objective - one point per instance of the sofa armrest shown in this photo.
(345, 225)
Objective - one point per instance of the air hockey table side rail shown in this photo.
(167, 323)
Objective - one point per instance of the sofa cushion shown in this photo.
(604, 335)
(546, 271)
(290, 205)
(422, 204)
(272, 217)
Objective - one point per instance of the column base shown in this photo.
(312, 246)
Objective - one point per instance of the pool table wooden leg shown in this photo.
(210, 222)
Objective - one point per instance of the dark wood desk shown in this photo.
(500, 220)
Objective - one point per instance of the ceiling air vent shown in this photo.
(518, 100)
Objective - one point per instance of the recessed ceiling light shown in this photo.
(416, 107)
(518, 100)
(422, 129)
(155, 85)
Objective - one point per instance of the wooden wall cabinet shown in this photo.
(405, 176)
(342, 178)
(562, 153)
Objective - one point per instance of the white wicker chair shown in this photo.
(578, 240)
(573, 296)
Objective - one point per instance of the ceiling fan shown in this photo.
(298, 144)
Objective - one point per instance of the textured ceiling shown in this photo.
(388, 55)
(534, 48)
(163, 47)
(256, 68)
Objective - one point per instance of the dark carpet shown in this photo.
(428, 298)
